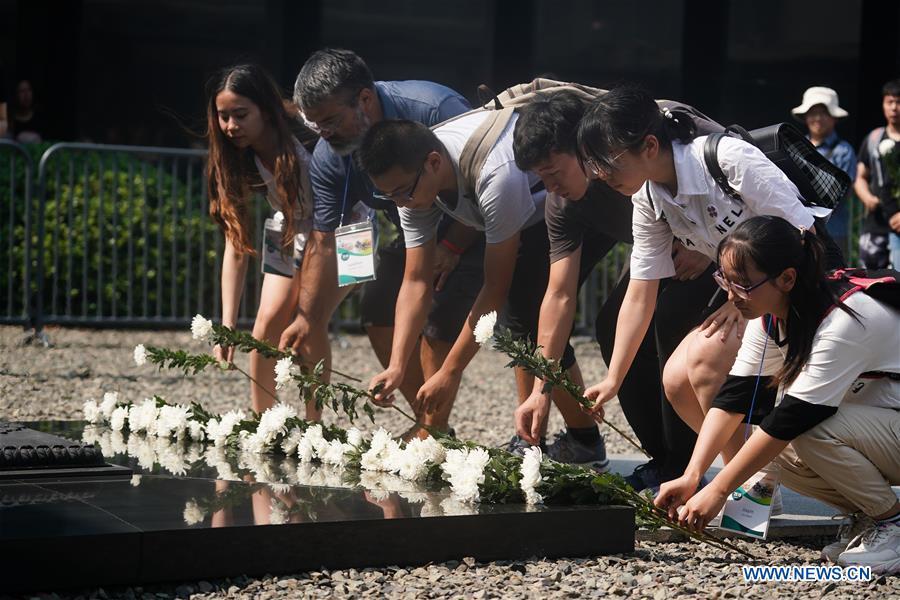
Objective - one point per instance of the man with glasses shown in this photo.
(419, 170)
(340, 100)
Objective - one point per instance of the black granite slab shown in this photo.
(68, 532)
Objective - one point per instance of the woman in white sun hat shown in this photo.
(820, 111)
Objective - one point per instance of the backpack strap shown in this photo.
(500, 109)
(479, 145)
(711, 158)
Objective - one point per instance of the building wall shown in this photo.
(133, 71)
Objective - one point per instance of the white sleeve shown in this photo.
(505, 200)
(757, 348)
(841, 350)
(763, 187)
(419, 224)
(651, 255)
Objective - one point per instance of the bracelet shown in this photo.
(451, 247)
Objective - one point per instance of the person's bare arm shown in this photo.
(234, 271)
(413, 304)
(861, 187)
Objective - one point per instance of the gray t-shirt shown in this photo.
(603, 212)
(504, 202)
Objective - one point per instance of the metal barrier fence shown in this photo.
(16, 179)
(120, 236)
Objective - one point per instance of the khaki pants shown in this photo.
(849, 460)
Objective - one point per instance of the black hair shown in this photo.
(891, 88)
(772, 244)
(396, 143)
(332, 72)
(621, 119)
(548, 124)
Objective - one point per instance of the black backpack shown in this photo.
(820, 182)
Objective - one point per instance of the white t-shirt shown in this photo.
(842, 349)
(305, 200)
(701, 214)
(505, 204)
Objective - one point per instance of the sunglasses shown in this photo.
(739, 290)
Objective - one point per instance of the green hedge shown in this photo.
(100, 205)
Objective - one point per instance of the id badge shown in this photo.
(355, 253)
(748, 509)
(273, 259)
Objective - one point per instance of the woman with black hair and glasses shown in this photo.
(831, 353)
(652, 155)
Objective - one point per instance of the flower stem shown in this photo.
(250, 377)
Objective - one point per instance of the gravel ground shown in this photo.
(39, 383)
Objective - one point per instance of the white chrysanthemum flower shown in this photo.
(254, 444)
(531, 475)
(285, 369)
(118, 417)
(202, 328)
(173, 421)
(306, 450)
(484, 329)
(108, 405)
(135, 480)
(196, 430)
(354, 437)
(334, 453)
(273, 422)
(464, 469)
(140, 355)
(193, 453)
(91, 412)
(382, 447)
(143, 416)
(291, 440)
(193, 514)
(886, 146)
(218, 430)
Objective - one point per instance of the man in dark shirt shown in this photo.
(585, 219)
(879, 244)
(340, 101)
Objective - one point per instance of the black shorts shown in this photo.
(449, 307)
(526, 292)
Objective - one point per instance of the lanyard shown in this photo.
(348, 167)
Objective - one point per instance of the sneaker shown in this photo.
(517, 445)
(855, 525)
(878, 547)
(645, 477)
(566, 449)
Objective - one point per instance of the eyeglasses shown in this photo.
(739, 290)
(606, 170)
(400, 196)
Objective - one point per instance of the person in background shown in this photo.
(879, 243)
(820, 112)
(25, 122)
